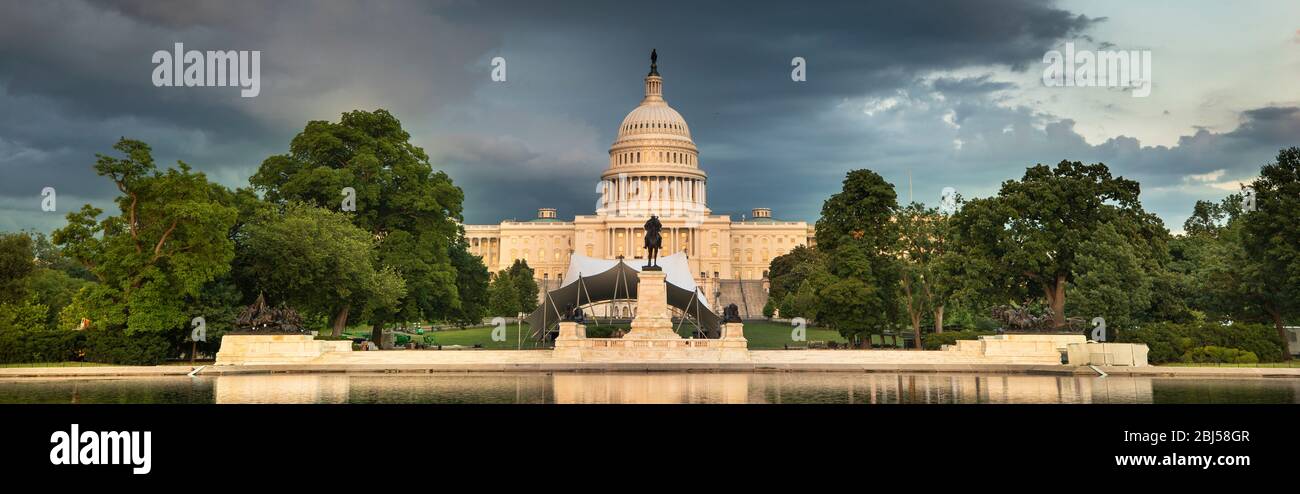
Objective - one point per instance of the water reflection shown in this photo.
(846, 388)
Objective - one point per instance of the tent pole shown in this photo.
(685, 313)
(558, 317)
(546, 299)
(697, 311)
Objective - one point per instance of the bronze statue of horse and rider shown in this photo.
(653, 242)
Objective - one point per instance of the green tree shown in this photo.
(930, 264)
(399, 199)
(167, 242)
(787, 306)
(1026, 239)
(1271, 239)
(1110, 279)
(472, 278)
(916, 236)
(804, 301)
(503, 296)
(55, 290)
(16, 264)
(788, 271)
(318, 261)
(526, 285)
(858, 235)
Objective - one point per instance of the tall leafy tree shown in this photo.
(16, 264)
(318, 261)
(788, 271)
(1110, 279)
(472, 278)
(399, 198)
(168, 240)
(930, 264)
(858, 235)
(1027, 238)
(503, 296)
(522, 279)
(1271, 238)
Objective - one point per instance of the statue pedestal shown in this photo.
(276, 349)
(571, 340)
(653, 319)
(733, 331)
(651, 338)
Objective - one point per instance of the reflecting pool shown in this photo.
(657, 387)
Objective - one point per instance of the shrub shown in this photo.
(1219, 355)
(114, 346)
(769, 309)
(935, 341)
(601, 331)
(43, 345)
(1169, 342)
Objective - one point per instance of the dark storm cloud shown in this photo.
(74, 76)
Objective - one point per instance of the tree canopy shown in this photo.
(317, 261)
(1026, 239)
(399, 198)
(169, 239)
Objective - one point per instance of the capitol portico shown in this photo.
(654, 168)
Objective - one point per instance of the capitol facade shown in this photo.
(654, 169)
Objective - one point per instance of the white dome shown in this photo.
(654, 120)
(653, 164)
(653, 134)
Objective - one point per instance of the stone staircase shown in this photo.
(748, 295)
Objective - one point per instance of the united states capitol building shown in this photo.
(654, 168)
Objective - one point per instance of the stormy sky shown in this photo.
(949, 93)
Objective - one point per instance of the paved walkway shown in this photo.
(542, 361)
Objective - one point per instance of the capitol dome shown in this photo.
(653, 158)
(653, 134)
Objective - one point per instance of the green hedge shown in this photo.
(103, 346)
(1219, 355)
(1168, 342)
(39, 346)
(934, 341)
(114, 346)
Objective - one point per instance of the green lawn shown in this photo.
(761, 335)
(766, 335)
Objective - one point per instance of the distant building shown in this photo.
(653, 168)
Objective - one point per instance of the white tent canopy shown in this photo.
(676, 271)
(590, 280)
